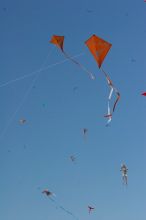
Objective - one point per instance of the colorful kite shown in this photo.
(99, 49)
(58, 41)
(90, 209)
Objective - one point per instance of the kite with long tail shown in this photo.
(59, 42)
(99, 49)
(50, 196)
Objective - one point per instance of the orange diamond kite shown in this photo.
(98, 47)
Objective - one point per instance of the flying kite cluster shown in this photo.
(99, 49)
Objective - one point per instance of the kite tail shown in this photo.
(109, 115)
(113, 88)
(91, 75)
(118, 98)
(63, 209)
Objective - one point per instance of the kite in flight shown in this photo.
(85, 131)
(73, 158)
(22, 121)
(47, 192)
(124, 171)
(90, 209)
(58, 41)
(144, 94)
(99, 49)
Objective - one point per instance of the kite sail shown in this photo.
(99, 49)
(58, 41)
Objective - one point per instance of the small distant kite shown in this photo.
(99, 48)
(144, 94)
(75, 88)
(85, 131)
(133, 60)
(5, 9)
(47, 192)
(73, 158)
(22, 121)
(124, 171)
(89, 10)
(90, 209)
(59, 42)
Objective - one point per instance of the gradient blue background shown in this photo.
(36, 155)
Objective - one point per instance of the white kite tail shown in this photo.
(112, 89)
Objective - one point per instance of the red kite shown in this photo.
(144, 94)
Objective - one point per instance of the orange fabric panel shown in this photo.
(58, 41)
(98, 47)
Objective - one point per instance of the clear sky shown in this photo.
(36, 155)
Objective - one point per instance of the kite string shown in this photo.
(23, 99)
(80, 65)
(37, 71)
(62, 208)
(29, 90)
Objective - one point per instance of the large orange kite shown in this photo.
(99, 49)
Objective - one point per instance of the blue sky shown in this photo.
(36, 155)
